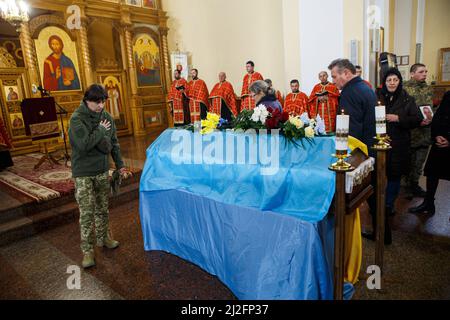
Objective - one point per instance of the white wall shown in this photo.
(403, 27)
(291, 36)
(222, 36)
(321, 38)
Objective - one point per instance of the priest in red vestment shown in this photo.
(198, 95)
(247, 102)
(178, 100)
(223, 98)
(324, 100)
(296, 102)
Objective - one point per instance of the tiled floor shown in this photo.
(37, 267)
(417, 264)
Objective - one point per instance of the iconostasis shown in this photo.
(121, 44)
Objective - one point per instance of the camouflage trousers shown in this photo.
(418, 158)
(92, 195)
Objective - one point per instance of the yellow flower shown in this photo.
(206, 130)
(209, 125)
(213, 117)
(296, 121)
(309, 132)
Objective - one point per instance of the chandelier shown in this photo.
(14, 12)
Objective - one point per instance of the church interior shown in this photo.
(248, 226)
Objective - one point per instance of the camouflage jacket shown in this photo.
(423, 94)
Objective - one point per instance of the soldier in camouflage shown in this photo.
(420, 137)
(92, 135)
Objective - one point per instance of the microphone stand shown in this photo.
(46, 93)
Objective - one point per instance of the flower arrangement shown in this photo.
(211, 123)
(292, 127)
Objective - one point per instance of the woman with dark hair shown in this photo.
(93, 137)
(437, 165)
(402, 115)
(264, 95)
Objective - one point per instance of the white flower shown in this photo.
(320, 126)
(305, 118)
(296, 121)
(260, 113)
(256, 114)
(309, 132)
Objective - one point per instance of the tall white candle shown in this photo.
(342, 128)
(380, 119)
(343, 122)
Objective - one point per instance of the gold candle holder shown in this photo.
(383, 142)
(341, 164)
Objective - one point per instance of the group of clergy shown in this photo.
(191, 100)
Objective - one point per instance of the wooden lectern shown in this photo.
(41, 123)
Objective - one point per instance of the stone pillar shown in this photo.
(29, 56)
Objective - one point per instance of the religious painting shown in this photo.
(147, 60)
(115, 102)
(58, 61)
(137, 3)
(149, 4)
(11, 93)
(12, 46)
(444, 66)
(17, 121)
(153, 118)
(179, 62)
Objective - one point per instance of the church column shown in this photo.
(137, 111)
(85, 54)
(165, 50)
(29, 57)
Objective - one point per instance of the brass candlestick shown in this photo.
(341, 165)
(383, 142)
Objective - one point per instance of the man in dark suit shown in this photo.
(357, 100)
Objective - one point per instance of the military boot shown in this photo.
(88, 260)
(108, 243)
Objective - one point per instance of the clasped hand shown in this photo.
(125, 173)
(441, 142)
(106, 124)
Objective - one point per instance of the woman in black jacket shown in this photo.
(437, 165)
(402, 115)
